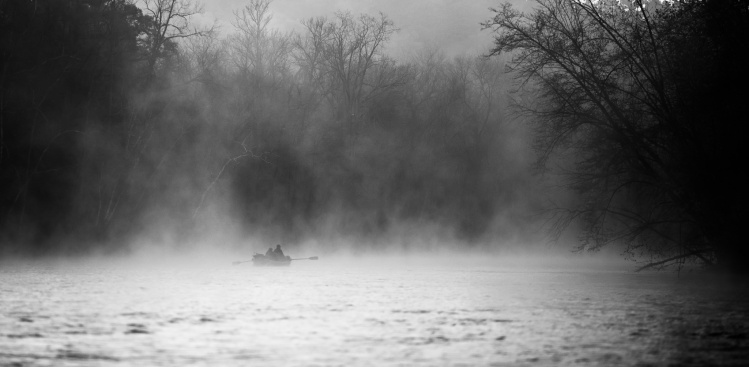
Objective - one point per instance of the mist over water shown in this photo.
(429, 196)
(161, 130)
(361, 310)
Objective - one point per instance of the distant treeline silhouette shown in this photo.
(115, 120)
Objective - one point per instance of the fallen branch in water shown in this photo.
(697, 253)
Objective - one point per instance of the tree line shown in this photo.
(117, 119)
(639, 106)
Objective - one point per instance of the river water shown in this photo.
(369, 313)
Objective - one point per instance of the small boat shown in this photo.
(262, 260)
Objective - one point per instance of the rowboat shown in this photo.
(262, 260)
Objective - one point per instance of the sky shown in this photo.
(451, 25)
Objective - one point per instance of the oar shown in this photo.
(246, 261)
(242, 262)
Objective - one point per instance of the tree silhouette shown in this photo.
(615, 85)
(168, 22)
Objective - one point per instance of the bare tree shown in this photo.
(257, 49)
(170, 22)
(203, 60)
(343, 57)
(607, 78)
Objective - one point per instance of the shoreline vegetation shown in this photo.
(599, 123)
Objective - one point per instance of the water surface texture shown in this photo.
(349, 313)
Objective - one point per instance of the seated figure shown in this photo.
(278, 253)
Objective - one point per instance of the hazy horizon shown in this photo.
(453, 27)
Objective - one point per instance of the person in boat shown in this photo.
(278, 253)
(269, 253)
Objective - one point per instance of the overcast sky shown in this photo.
(452, 25)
